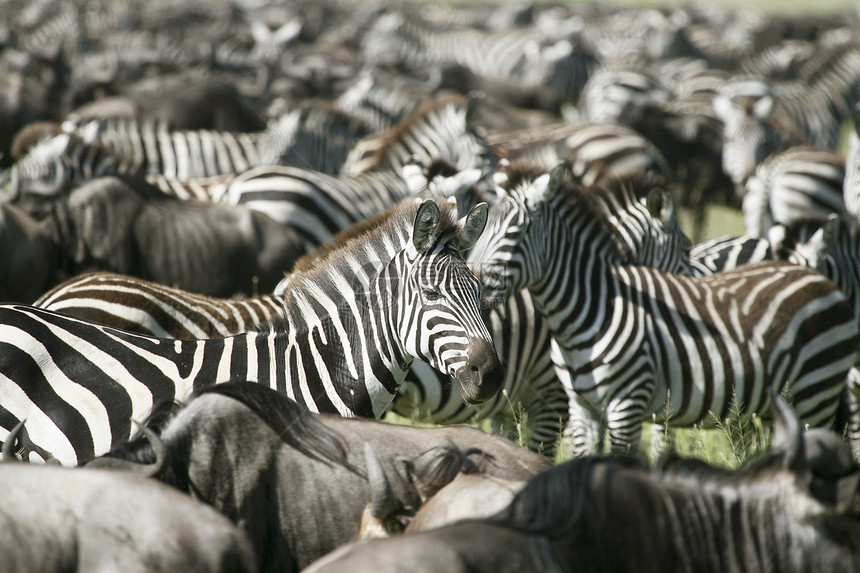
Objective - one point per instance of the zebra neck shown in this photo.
(571, 289)
(343, 353)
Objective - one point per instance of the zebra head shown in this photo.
(506, 256)
(65, 159)
(745, 108)
(439, 320)
(640, 209)
(44, 170)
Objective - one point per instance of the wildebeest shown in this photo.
(787, 511)
(28, 256)
(295, 481)
(100, 521)
(127, 226)
(179, 102)
(453, 486)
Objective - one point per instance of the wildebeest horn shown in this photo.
(788, 436)
(9, 445)
(149, 470)
(382, 500)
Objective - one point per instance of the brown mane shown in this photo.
(31, 134)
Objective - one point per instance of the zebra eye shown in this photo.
(431, 294)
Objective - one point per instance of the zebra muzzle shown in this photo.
(482, 375)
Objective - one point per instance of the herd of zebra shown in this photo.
(452, 213)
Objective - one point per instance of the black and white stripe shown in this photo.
(800, 183)
(153, 309)
(441, 129)
(631, 341)
(596, 152)
(64, 160)
(638, 214)
(348, 334)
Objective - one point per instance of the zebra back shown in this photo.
(798, 183)
(440, 129)
(153, 309)
(179, 154)
(317, 205)
(62, 160)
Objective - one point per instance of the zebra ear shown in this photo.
(546, 186)
(473, 226)
(475, 99)
(763, 107)
(425, 224)
(659, 204)
(830, 232)
(788, 436)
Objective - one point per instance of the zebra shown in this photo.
(595, 152)
(828, 95)
(59, 160)
(798, 183)
(310, 135)
(154, 309)
(726, 252)
(442, 128)
(833, 249)
(638, 211)
(181, 154)
(750, 132)
(314, 203)
(631, 342)
(349, 331)
(851, 185)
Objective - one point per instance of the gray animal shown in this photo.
(100, 521)
(786, 512)
(28, 256)
(453, 487)
(297, 482)
(126, 226)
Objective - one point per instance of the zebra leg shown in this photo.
(624, 425)
(546, 415)
(852, 401)
(662, 440)
(582, 434)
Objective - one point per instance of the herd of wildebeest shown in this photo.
(227, 228)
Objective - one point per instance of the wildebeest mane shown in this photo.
(294, 424)
(444, 464)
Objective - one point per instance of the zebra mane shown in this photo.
(380, 143)
(31, 135)
(362, 243)
(592, 201)
(312, 259)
